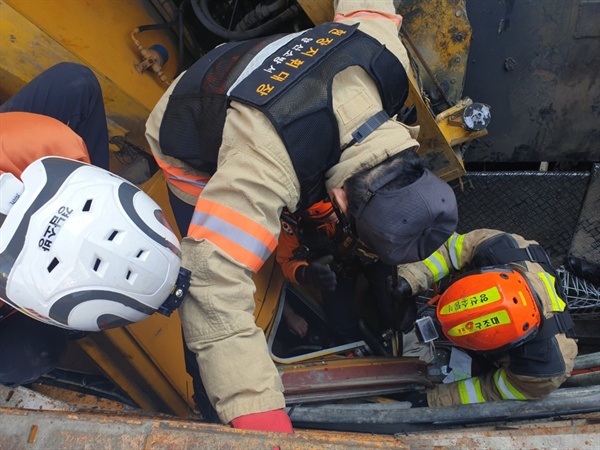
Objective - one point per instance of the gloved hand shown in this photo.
(318, 273)
(401, 290)
(584, 269)
(276, 420)
(402, 295)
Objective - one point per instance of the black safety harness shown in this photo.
(501, 252)
(292, 87)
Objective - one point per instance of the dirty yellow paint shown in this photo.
(37, 34)
(97, 33)
(147, 352)
(116, 373)
(318, 11)
(434, 145)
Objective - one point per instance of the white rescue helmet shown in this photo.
(84, 249)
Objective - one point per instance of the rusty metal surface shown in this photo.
(43, 430)
(351, 377)
(578, 432)
(441, 34)
(20, 397)
(536, 63)
(78, 399)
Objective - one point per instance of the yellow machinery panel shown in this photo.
(35, 35)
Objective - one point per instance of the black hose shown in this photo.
(259, 14)
(155, 26)
(203, 14)
(392, 418)
(181, 32)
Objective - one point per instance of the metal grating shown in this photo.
(586, 240)
(542, 206)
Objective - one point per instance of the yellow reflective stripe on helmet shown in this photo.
(476, 300)
(455, 247)
(470, 391)
(507, 390)
(558, 303)
(437, 265)
(494, 319)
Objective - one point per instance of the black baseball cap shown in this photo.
(408, 224)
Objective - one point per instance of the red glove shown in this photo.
(276, 420)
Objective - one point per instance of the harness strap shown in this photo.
(533, 253)
(361, 133)
(560, 323)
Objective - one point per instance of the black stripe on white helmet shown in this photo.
(84, 249)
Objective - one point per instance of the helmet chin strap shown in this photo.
(11, 189)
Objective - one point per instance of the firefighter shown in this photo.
(70, 231)
(306, 115)
(506, 305)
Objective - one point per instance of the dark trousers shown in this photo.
(70, 93)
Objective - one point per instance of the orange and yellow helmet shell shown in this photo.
(491, 309)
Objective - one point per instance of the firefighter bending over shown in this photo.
(280, 122)
(507, 305)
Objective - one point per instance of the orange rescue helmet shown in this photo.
(490, 309)
(320, 210)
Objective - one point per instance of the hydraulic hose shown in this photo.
(392, 418)
(204, 15)
(260, 13)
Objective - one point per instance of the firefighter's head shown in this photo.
(83, 249)
(400, 209)
(490, 309)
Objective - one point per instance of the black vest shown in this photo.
(292, 87)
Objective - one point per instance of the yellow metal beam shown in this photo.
(141, 360)
(117, 374)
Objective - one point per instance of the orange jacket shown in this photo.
(26, 137)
